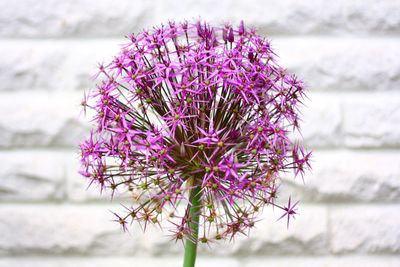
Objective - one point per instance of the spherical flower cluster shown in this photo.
(194, 122)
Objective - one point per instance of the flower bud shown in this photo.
(241, 28)
(231, 37)
(224, 34)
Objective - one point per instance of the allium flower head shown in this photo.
(194, 110)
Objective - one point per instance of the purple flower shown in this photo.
(188, 106)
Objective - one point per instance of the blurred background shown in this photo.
(348, 52)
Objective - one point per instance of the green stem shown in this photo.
(194, 214)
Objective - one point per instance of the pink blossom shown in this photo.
(189, 105)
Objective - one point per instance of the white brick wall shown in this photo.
(347, 51)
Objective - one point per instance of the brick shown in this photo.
(78, 188)
(44, 65)
(344, 176)
(50, 18)
(29, 67)
(82, 62)
(63, 229)
(371, 120)
(318, 17)
(46, 175)
(321, 121)
(339, 64)
(41, 119)
(32, 175)
(365, 229)
(355, 120)
(307, 234)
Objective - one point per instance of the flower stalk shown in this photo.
(194, 214)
